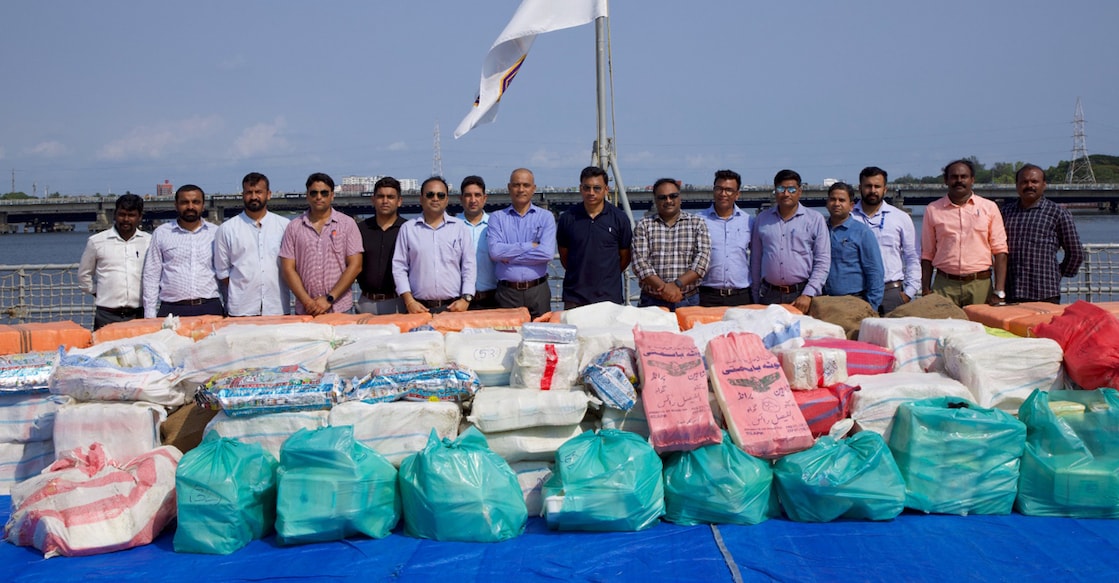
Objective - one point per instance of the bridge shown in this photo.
(46, 213)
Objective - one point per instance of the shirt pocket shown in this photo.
(450, 250)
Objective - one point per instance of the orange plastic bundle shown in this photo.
(1016, 318)
(129, 329)
(498, 319)
(42, 336)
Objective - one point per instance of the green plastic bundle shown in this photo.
(461, 490)
(606, 481)
(957, 457)
(331, 486)
(718, 484)
(1071, 464)
(226, 496)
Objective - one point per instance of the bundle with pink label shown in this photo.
(761, 414)
(674, 392)
(811, 368)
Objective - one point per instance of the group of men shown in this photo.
(253, 264)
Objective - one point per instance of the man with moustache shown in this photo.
(897, 239)
(434, 260)
(962, 235)
(112, 265)
(594, 241)
(1036, 228)
(320, 255)
(856, 263)
(727, 282)
(671, 251)
(179, 276)
(247, 254)
(473, 198)
(792, 252)
(522, 240)
(378, 238)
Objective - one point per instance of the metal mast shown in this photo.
(1080, 167)
(604, 156)
(437, 154)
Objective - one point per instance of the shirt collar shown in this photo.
(714, 215)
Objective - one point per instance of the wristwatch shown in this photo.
(330, 299)
(1000, 294)
(679, 284)
(468, 297)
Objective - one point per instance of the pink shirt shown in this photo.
(960, 239)
(320, 258)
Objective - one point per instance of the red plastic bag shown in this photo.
(1089, 335)
(822, 408)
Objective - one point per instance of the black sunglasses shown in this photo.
(664, 197)
(433, 194)
(316, 193)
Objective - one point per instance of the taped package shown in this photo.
(913, 340)
(423, 348)
(399, 429)
(239, 347)
(489, 354)
(124, 430)
(504, 409)
(812, 368)
(121, 370)
(545, 366)
(1002, 372)
(878, 397)
(531, 443)
(593, 315)
(270, 430)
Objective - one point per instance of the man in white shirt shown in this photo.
(897, 240)
(247, 254)
(179, 267)
(112, 265)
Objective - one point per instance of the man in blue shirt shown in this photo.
(433, 264)
(791, 250)
(897, 239)
(594, 241)
(522, 240)
(856, 262)
(727, 282)
(473, 199)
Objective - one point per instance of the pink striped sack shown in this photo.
(86, 503)
(674, 392)
(823, 407)
(762, 417)
(862, 357)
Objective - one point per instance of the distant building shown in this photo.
(360, 184)
(165, 189)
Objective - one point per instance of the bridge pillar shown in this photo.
(102, 222)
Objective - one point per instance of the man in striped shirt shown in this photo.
(179, 273)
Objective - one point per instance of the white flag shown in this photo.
(508, 53)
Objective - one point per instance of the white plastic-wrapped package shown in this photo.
(594, 340)
(398, 429)
(397, 351)
(704, 333)
(21, 461)
(166, 344)
(130, 369)
(270, 430)
(603, 313)
(503, 409)
(1002, 372)
(349, 333)
(532, 443)
(28, 416)
(531, 476)
(126, 430)
(489, 354)
(813, 328)
(634, 420)
(540, 365)
(913, 340)
(236, 347)
(811, 368)
(776, 326)
(879, 396)
(26, 371)
(549, 332)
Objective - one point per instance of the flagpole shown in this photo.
(604, 156)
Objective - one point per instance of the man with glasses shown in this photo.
(472, 196)
(522, 240)
(378, 240)
(727, 282)
(320, 255)
(897, 239)
(434, 265)
(179, 274)
(247, 254)
(791, 249)
(112, 265)
(594, 241)
(671, 251)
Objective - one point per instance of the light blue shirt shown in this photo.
(486, 280)
(434, 264)
(249, 255)
(511, 237)
(179, 265)
(856, 264)
(788, 252)
(729, 267)
(897, 243)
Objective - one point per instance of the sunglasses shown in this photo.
(433, 194)
(319, 193)
(664, 197)
(788, 189)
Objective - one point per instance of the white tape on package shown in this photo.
(531, 476)
(270, 430)
(130, 369)
(356, 360)
(498, 409)
(812, 328)
(489, 354)
(27, 371)
(812, 368)
(634, 420)
(775, 325)
(913, 340)
(126, 430)
(548, 332)
(399, 429)
(21, 461)
(349, 333)
(879, 396)
(532, 443)
(28, 416)
(540, 365)
(1002, 372)
(651, 318)
(239, 347)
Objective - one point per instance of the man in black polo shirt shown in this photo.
(378, 237)
(594, 242)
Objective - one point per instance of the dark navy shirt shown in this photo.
(593, 272)
(376, 262)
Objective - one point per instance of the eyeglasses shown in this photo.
(725, 190)
(788, 189)
(319, 193)
(433, 194)
(670, 196)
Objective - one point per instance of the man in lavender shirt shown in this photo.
(320, 255)
(791, 248)
(522, 240)
(179, 274)
(434, 264)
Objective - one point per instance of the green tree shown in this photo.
(15, 196)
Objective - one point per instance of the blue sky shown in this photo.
(120, 95)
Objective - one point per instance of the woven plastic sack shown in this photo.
(460, 490)
(1071, 463)
(331, 486)
(226, 496)
(605, 481)
(718, 484)
(841, 478)
(957, 457)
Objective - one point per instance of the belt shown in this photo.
(787, 289)
(893, 284)
(432, 304)
(484, 295)
(723, 291)
(122, 311)
(377, 297)
(969, 277)
(194, 302)
(523, 285)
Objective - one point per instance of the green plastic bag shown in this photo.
(718, 484)
(852, 478)
(461, 490)
(957, 457)
(331, 486)
(226, 496)
(608, 481)
(1071, 464)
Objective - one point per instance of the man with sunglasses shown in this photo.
(472, 196)
(792, 253)
(671, 251)
(522, 240)
(320, 255)
(434, 265)
(897, 239)
(727, 282)
(378, 238)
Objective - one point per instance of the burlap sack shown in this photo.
(844, 311)
(185, 426)
(933, 306)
